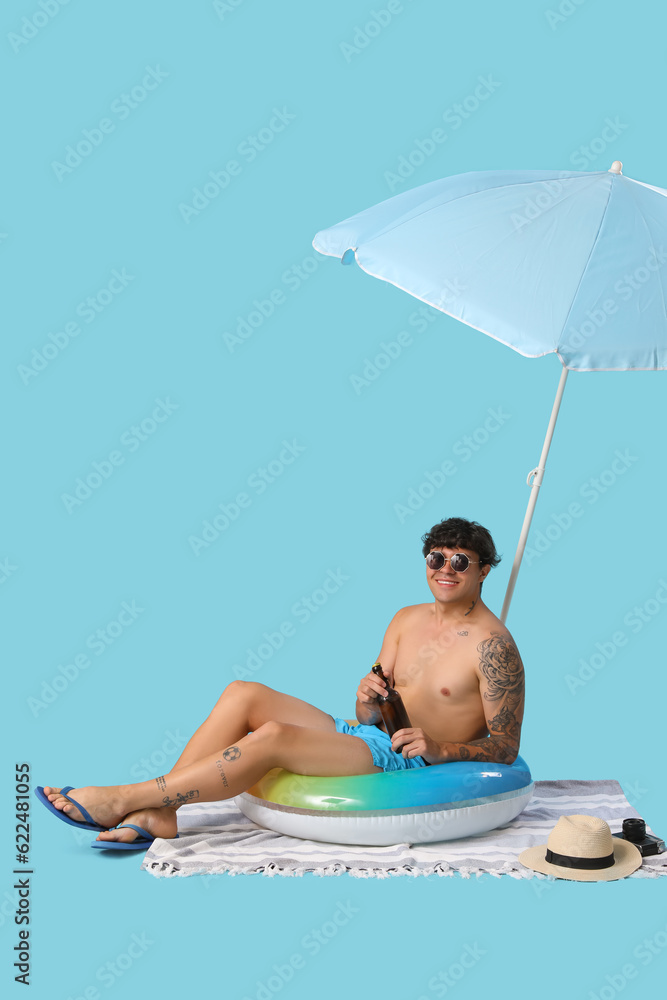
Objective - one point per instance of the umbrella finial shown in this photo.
(616, 167)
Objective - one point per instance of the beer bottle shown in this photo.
(391, 706)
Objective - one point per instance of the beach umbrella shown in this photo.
(545, 261)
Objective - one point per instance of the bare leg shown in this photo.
(243, 707)
(232, 770)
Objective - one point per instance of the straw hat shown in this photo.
(582, 848)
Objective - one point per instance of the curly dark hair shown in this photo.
(458, 533)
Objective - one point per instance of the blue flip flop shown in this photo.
(89, 824)
(143, 841)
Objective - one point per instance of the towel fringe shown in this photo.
(163, 869)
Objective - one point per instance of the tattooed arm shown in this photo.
(501, 687)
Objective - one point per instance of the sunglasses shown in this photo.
(459, 561)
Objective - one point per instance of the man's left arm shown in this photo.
(501, 687)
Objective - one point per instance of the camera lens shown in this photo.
(634, 830)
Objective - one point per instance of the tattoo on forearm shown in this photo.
(462, 633)
(161, 783)
(471, 607)
(218, 764)
(492, 750)
(231, 753)
(182, 799)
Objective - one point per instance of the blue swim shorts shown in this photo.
(380, 746)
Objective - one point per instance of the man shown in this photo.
(453, 662)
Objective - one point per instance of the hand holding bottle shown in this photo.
(391, 706)
(371, 688)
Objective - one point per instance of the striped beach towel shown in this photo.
(216, 838)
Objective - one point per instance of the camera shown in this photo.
(634, 830)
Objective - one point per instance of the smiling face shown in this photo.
(449, 587)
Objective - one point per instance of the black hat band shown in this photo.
(568, 861)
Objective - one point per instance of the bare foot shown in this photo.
(161, 822)
(104, 804)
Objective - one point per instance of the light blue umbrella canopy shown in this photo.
(571, 262)
(541, 260)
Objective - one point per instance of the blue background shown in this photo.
(359, 104)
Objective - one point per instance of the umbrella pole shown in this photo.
(537, 476)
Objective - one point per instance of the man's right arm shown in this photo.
(371, 687)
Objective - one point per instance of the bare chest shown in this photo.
(438, 665)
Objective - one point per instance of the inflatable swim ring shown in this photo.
(441, 802)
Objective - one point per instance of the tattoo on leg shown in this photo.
(471, 607)
(231, 753)
(180, 799)
(161, 783)
(218, 764)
